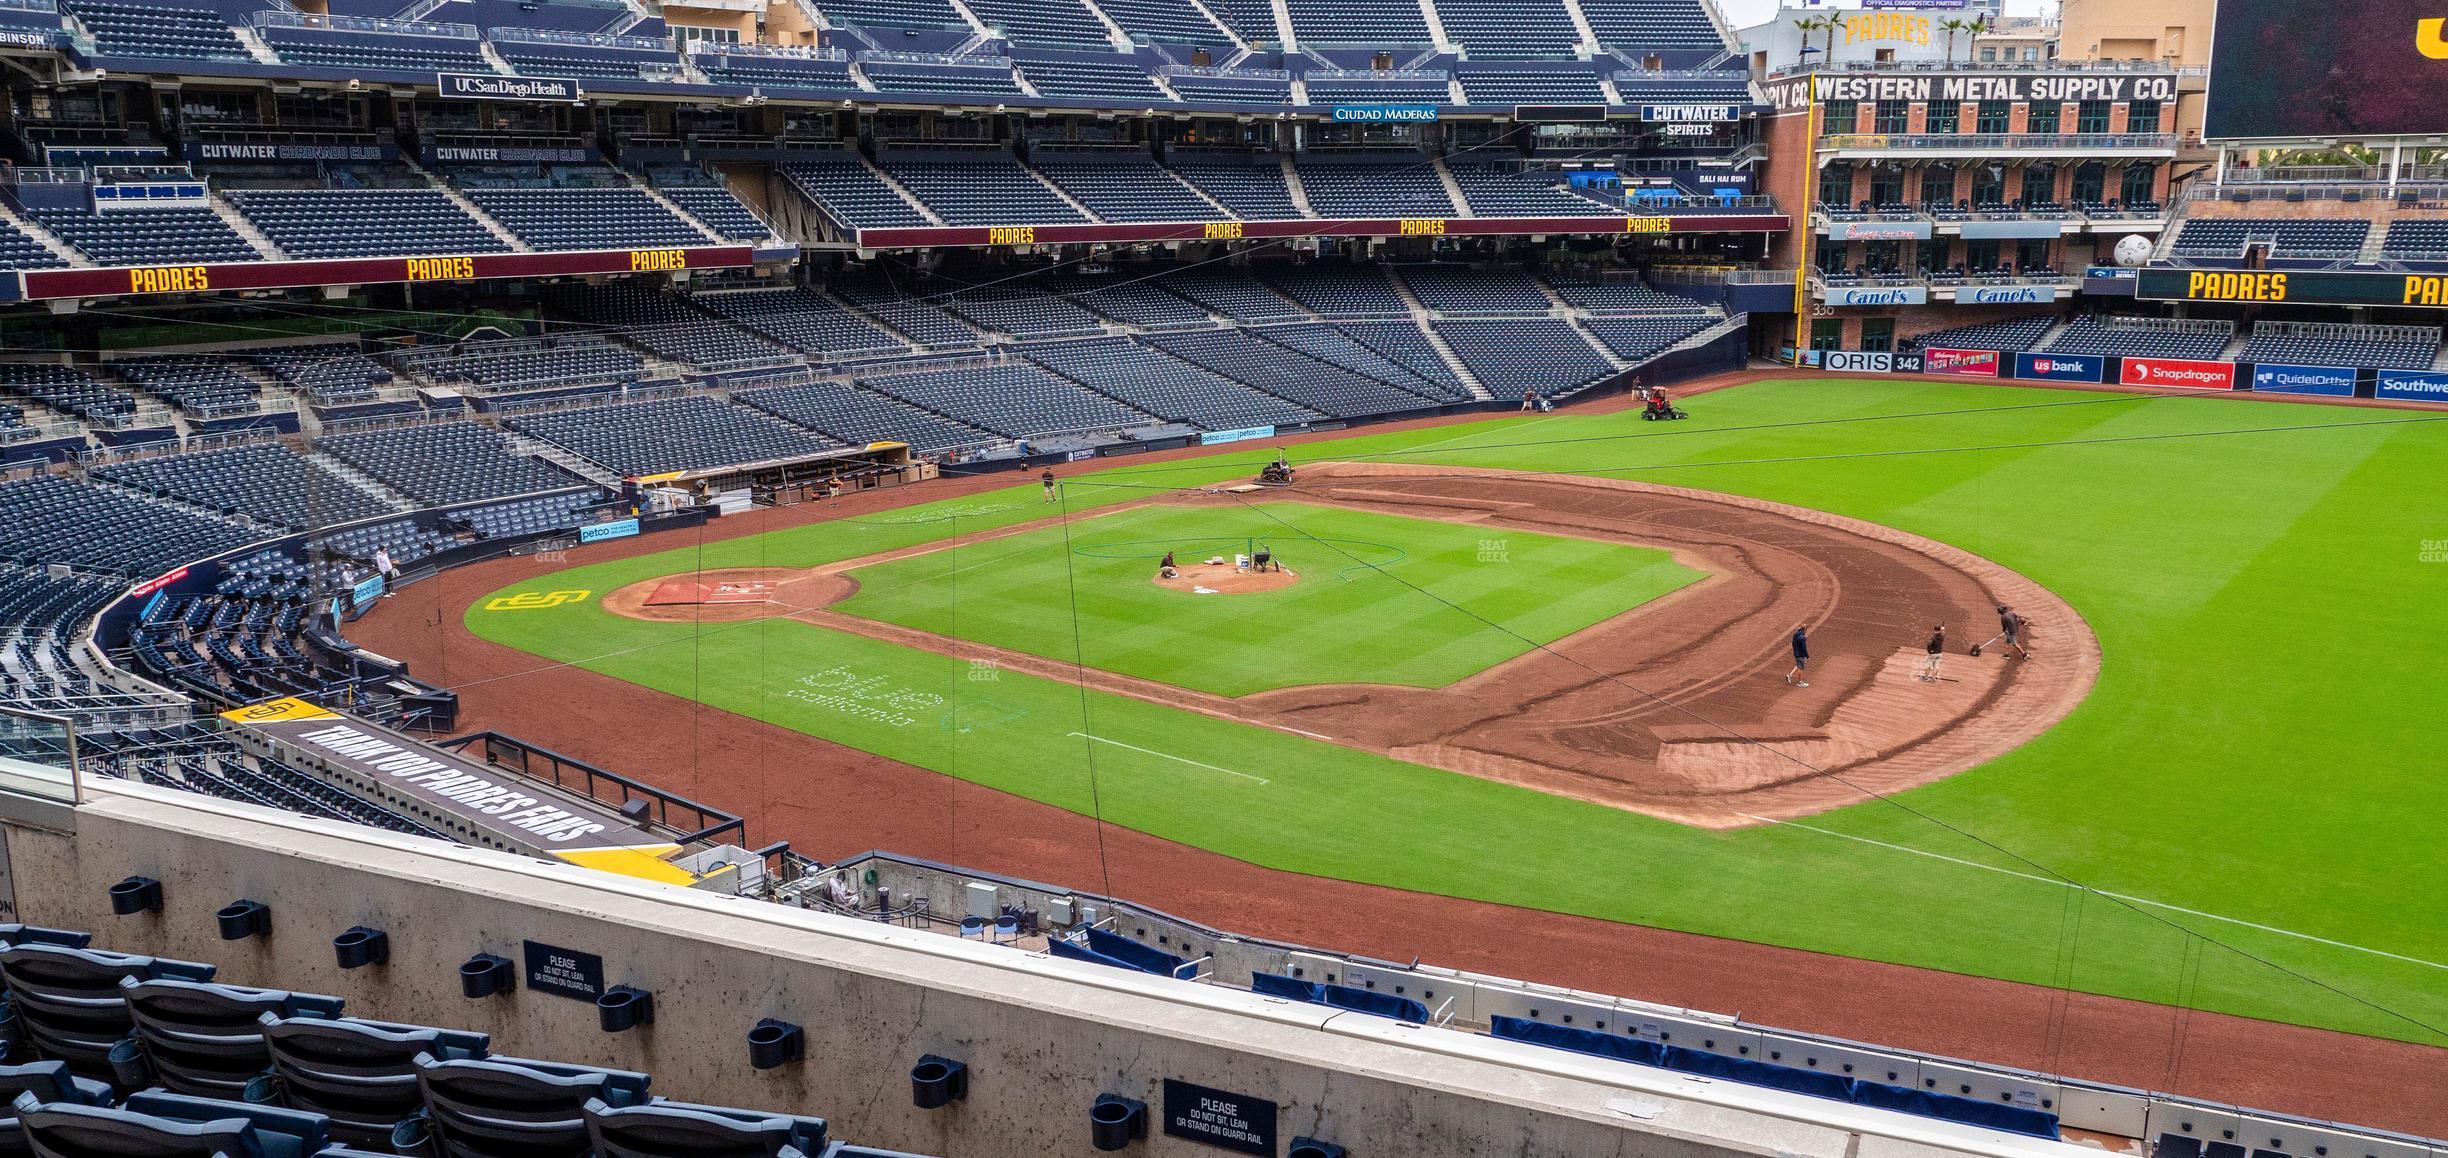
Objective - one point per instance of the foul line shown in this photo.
(1167, 755)
(2066, 884)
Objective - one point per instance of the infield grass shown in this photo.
(1380, 598)
(2250, 799)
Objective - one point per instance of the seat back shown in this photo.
(683, 1130)
(68, 1000)
(361, 1074)
(517, 1107)
(204, 1038)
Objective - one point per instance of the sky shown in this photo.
(1745, 13)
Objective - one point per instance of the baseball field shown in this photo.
(2240, 815)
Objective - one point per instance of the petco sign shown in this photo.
(1962, 363)
(2178, 373)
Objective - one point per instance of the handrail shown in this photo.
(295, 19)
(583, 39)
(1985, 66)
(1992, 141)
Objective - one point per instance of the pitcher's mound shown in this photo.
(1223, 579)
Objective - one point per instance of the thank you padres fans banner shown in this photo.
(512, 808)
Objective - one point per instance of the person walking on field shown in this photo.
(1801, 654)
(1936, 648)
(2010, 629)
(1047, 478)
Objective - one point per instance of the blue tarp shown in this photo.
(1349, 997)
(1134, 954)
(2001, 1116)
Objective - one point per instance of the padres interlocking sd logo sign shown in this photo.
(536, 600)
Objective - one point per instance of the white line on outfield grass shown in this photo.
(1168, 756)
(2065, 884)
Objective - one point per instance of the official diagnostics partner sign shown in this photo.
(2330, 381)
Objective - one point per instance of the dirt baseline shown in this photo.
(1678, 708)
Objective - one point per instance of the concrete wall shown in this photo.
(1042, 1037)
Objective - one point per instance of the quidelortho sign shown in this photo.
(2328, 381)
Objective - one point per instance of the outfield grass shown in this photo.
(2250, 796)
(1380, 599)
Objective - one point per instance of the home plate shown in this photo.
(694, 591)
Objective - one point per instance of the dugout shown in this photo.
(781, 482)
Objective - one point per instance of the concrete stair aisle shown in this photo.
(371, 486)
(1453, 188)
(565, 459)
(1436, 26)
(1113, 31)
(1587, 38)
(1062, 193)
(1283, 26)
(901, 191)
(43, 237)
(1604, 351)
(1453, 361)
(1226, 30)
(255, 45)
(497, 229)
(244, 228)
(656, 195)
(1292, 182)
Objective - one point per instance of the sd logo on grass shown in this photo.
(536, 600)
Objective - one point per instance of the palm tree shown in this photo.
(1807, 25)
(1835, 24)
(1951, 26)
